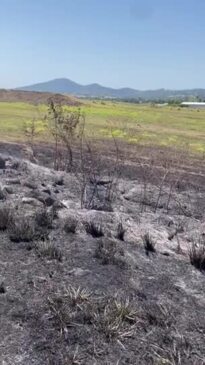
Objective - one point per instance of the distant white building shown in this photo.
(196, 105)
(162, 104)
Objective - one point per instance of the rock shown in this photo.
(8, 189)
(47, 191)
(14, 181)
(78, 272)
(2, 163)
(49, 201)
(31, 201)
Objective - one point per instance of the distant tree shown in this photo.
(174, 102)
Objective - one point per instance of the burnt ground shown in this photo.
(101, 282)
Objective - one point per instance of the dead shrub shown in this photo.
(94, 229)
(22, 229)
(2, 288)
(44, 218)
(5, 216)
(70, 225)
(120, 232)
(108, 252)
(2, 163)
(63, 125)
(197, 255)
(149, 243)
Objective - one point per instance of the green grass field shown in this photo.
(146, 124)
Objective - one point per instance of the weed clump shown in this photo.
(22, 229)
(108, 253)
(94, 229)
(116, 319)
(77, 307)
(70, 225)
(50, 250)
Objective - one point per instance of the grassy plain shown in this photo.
(143, 123)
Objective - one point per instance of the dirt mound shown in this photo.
(34, 97)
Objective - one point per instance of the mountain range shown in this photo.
(66, 86)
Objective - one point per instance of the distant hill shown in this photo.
(66, 86)
(35, 97)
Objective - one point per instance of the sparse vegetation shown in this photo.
(102, 194)
(112, 316)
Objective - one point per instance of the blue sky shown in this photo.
(136, 43)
